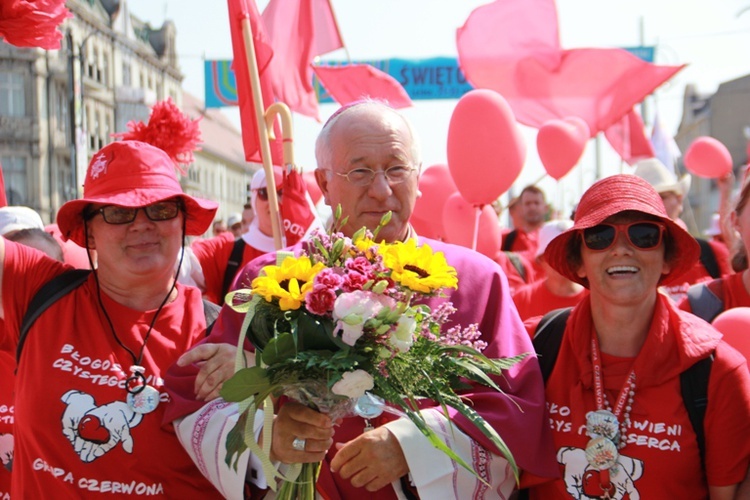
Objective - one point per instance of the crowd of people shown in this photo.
(112, 384)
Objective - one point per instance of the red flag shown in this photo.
(3, 198)
(628, 138)
(350, 83)
(238, 11)
(33, 24)
(512, 47)
(299, 30)
(297, 213)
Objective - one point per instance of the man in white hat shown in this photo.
(16, 218)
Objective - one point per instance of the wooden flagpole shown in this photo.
(265, 147)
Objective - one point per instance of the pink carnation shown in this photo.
(360, 265)
(327, 278)
(354, 281)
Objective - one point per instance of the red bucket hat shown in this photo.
(132, 174)
(609, 197)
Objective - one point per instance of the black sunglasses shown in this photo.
(644, 235)
(159, 211)
(263, 193)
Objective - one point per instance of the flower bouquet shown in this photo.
(341, 328)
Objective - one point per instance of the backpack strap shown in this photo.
(706, 299)
(235, 259)
(508, 241)
(517, 265)
(708, 258)
(47, 295)
(694, 388)
(548, 339)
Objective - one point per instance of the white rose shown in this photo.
(403, 337)
(353, 384)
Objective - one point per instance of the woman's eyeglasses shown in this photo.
(263, 193)
(644, 235)
(159, 211)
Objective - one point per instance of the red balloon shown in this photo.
(312, 186)
(436, 185)
(485, 148)
(735, 325)
(560, 144)
(459, 218)
(708, 157)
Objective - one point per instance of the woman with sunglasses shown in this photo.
(89, 397)
(619, 421)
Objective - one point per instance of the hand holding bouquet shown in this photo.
(341, 324)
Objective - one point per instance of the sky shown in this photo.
(711, 37)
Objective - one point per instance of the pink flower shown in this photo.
(328, 278)
(351, 311)
(320, 300)
(353, 281)
(360, 265)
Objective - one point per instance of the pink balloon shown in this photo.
(436, 185)
(485, 148)
(560, 144)
(735, 325)
(459, 218)
(708, 157)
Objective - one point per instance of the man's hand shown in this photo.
(216, 362)
(297, 421)
(372, 460)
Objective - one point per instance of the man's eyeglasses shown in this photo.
(159, 211)
(361, 177)
(263, 193)
(644, 235)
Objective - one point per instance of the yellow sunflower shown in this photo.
(289, 282)
(417, 267)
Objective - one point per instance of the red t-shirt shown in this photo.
(75, 436)
(733, 293)
(536, 299)
(661, 458)
(699, 274)
(213, 255)
(7, 366)
(515, 280)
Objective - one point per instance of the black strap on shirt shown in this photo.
(708, 258)
(235, 259)
(508, 241)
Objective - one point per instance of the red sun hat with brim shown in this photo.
(611, 196)
(132, 174)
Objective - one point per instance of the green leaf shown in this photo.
(315, 335)
(245, 384)
(279, 348)
(236, 442)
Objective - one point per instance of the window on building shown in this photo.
(127, 76)
(16, 180)
(105, 68)
(12, 95)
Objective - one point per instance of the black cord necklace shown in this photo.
(141, 398)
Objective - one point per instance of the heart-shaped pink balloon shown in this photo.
(485, 148)
(436, 185)
(459, 218)
(707, 157)
(561, 143)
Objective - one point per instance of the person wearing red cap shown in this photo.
(89, 399)
(368, 163)
(619, 419)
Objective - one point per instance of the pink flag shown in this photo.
(3, 198)
(512, 47)
(26, 23)
(299, 30)
(238, 11)
(628, 138)
(350, 83)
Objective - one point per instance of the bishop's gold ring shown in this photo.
(298, 444)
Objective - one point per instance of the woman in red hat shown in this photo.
(619, 419)
(89, 392)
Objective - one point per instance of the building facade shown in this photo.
(58, 107)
